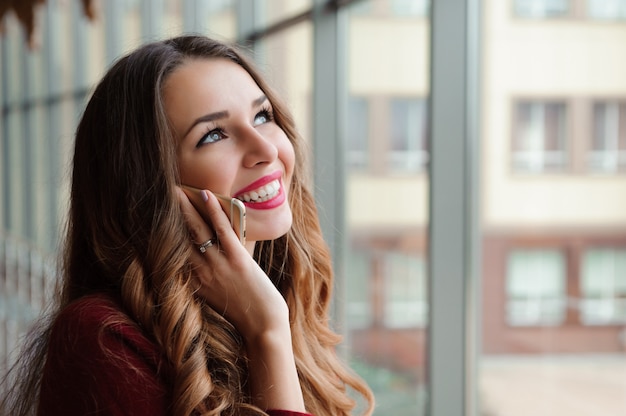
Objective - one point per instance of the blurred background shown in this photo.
(543, 274)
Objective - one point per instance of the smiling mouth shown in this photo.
(262, 194)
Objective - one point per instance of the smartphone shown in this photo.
(234, 208)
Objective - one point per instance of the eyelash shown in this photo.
(265, 111)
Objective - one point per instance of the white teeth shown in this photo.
(262, 194)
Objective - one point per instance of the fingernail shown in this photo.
(205, 196)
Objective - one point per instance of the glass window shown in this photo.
(358, 289)
(411, 8)
(535, 287)
(603, 287)
(357, 133)
(408, 150)
(606, 9)
(286, 60)
(541, 8)
(269, 12)
(551, 324)
(387, 215)
(607, 152)
(405, 291)
(539, 139)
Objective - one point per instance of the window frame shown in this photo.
(541, 303)
(617, 155)
(539, 160)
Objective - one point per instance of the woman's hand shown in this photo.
(234, 285)
(230, 280)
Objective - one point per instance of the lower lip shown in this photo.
(270, 203)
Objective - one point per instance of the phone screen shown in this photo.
(234, 209)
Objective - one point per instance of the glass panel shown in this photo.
(541, 8)
(215, 18)
(387, 199)
(357, 140)
(539, 138)
(408, 142)
(286, 60)
(269, 12)
(606, 9)
(603, 287)
(42, 92)
(410, 7)
(607, 153)
(553, 245)
(405, 291)
(535, 288)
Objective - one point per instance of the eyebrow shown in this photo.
(221, 114)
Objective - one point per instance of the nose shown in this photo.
(258, 149)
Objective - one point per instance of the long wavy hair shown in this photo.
(126, 236)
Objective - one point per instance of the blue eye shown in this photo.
(212, 136)
(262, 117)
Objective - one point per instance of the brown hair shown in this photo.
(126, 236)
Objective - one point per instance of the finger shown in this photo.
(199, 229)
(228, 240)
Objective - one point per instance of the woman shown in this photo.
(162, 309)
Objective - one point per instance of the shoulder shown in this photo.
(97, 323)
(88, 311)
(98, 359)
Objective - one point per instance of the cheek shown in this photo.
(187, 170)
(204, 172)
(288, 157)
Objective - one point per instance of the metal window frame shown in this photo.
(453, 227)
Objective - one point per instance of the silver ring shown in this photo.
(208, 243)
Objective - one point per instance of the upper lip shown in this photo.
(260, 182)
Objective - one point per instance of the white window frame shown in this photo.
(527, 303)
(415, 158)
(604, 305)
(533, 157)
(611, 158)
(541, 9)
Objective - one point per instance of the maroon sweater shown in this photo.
(93, 369)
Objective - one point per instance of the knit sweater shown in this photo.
(100, 363)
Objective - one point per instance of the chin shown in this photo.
(276, 230)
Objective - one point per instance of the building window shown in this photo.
(406, 303)
(606, 9)
(607, 152)
(408, 149)
(535, 287)
(603, 287)
(541, 8)
(539, 138)
(410, 8)
(357, 134)
(358, 278)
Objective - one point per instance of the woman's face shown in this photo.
(229, 143)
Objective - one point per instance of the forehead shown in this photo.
(216, 80)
